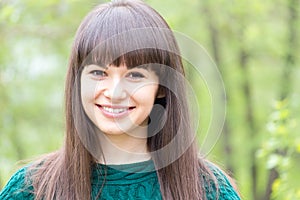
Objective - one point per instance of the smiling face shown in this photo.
(117, 99)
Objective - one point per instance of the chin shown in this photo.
(113, 131)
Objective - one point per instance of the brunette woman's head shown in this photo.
(134, 34)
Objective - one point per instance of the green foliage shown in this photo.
(281, 150)
(35, 43)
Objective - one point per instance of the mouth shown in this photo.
(115, 111)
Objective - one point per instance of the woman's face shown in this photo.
(118, 100)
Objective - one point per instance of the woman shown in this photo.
(128, 133)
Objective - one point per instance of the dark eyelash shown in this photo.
(136, 75)
(98, 73)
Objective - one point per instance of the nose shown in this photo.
(115, 91)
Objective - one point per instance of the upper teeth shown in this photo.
(115, 110)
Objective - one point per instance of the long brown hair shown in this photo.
(65, 174)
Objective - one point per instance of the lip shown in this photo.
(117, 111)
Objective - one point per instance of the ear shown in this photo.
(161, 92)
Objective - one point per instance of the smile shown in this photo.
(115, 112)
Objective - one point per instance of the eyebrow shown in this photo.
(94, 65)
(139, 67)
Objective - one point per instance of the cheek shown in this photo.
(146, 95)
(87, 97)
(88, 90)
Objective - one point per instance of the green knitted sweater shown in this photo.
(128, 181)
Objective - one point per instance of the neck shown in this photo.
(124, 148)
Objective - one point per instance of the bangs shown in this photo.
(124, 36)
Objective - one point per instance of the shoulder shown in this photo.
(223, 187)
(17, 187)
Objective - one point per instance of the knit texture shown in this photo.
(128, 181)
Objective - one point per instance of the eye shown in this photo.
(98, 73)
(135, 75)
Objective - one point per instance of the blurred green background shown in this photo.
(255, 44)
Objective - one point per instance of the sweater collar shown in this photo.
(124, 173)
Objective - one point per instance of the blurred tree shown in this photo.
(282, 153)
(216, 46)
(292, 47)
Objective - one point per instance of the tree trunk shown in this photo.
(216, 51)
(286, 81)
(249, 115)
